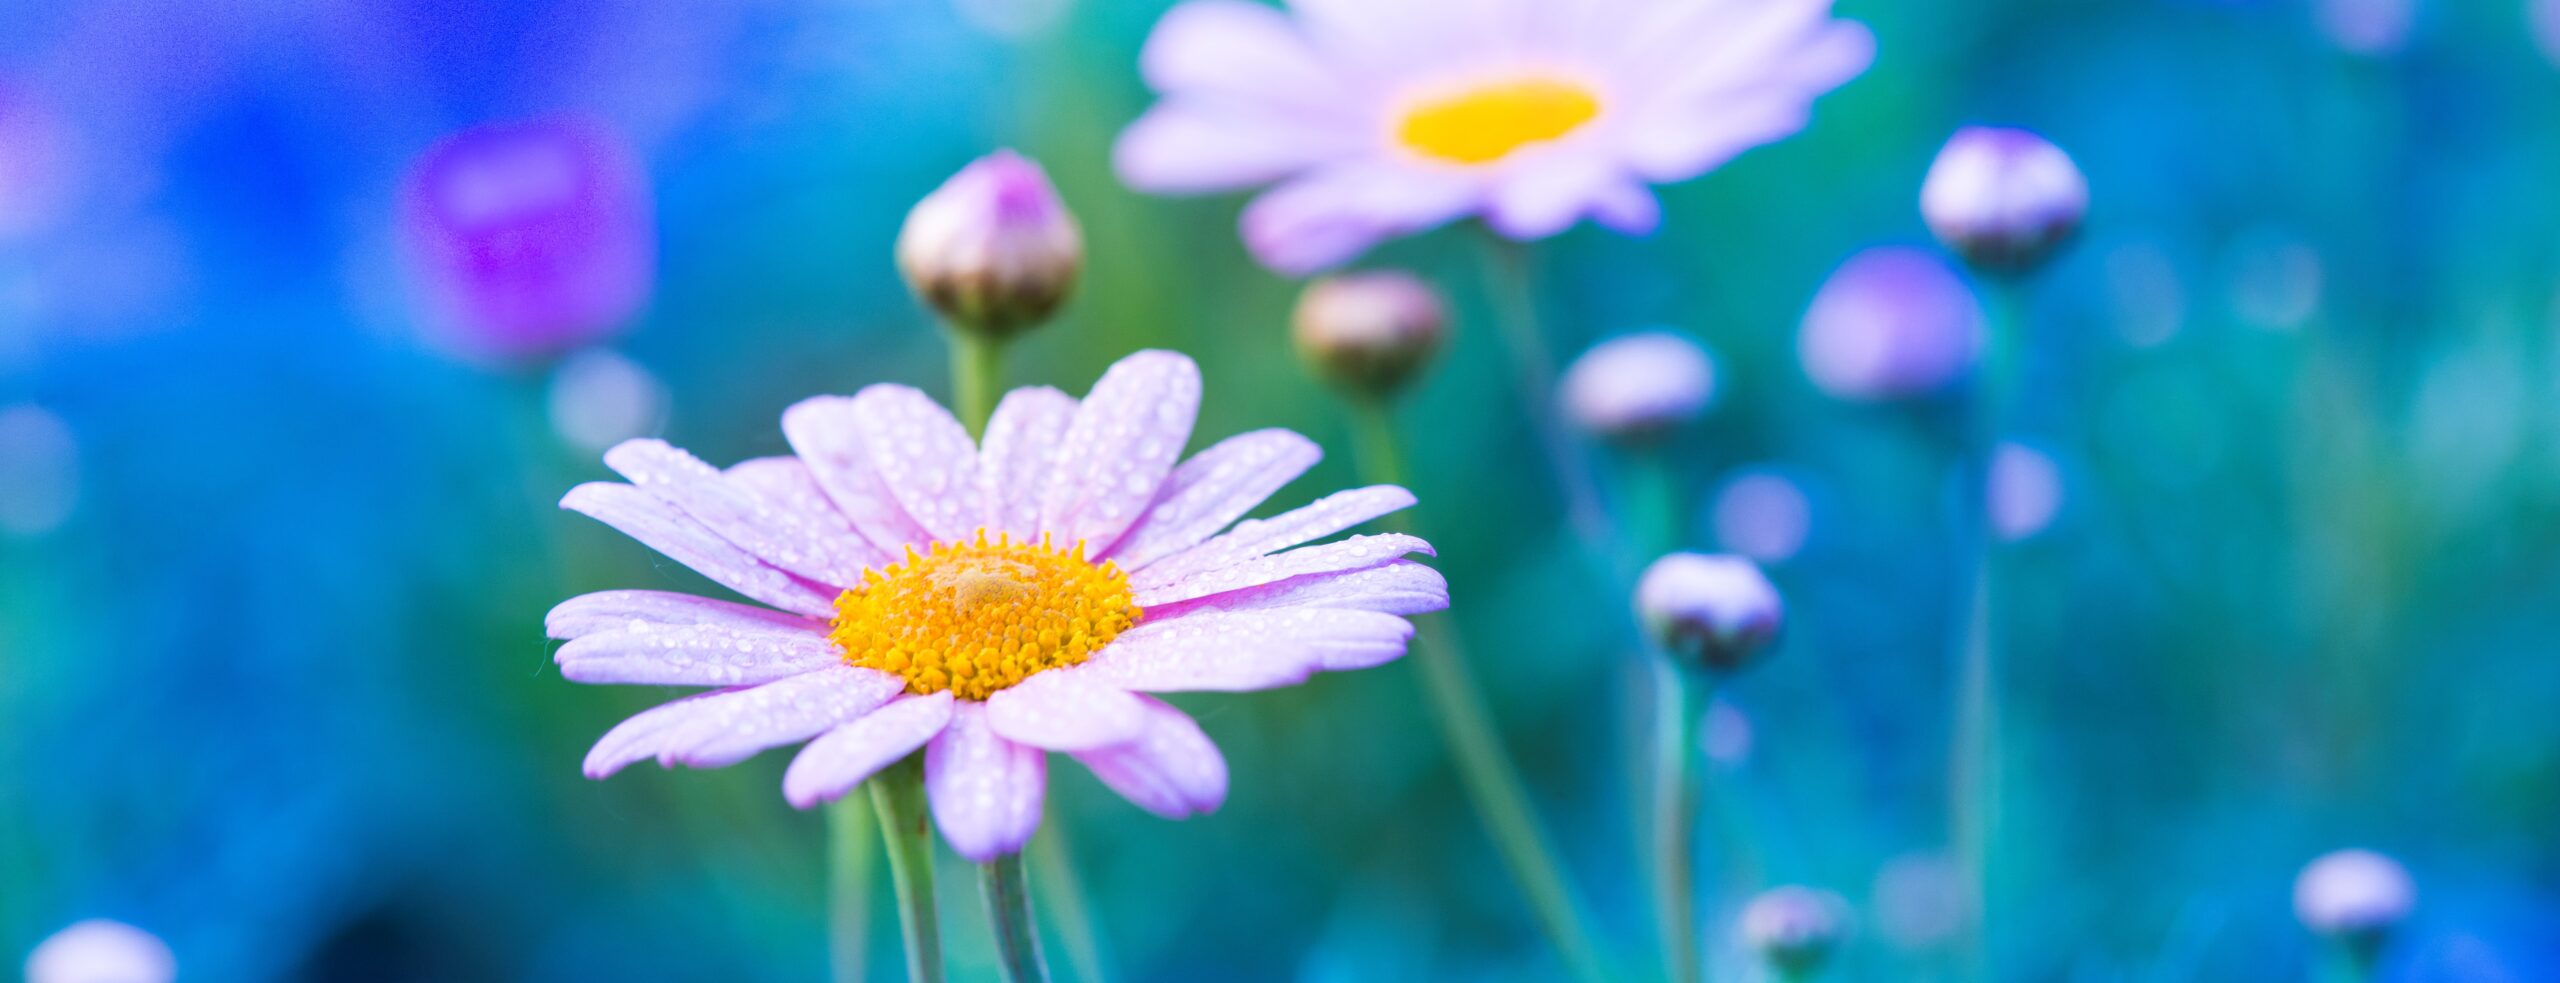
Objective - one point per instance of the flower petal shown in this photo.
(633, 610)
(1349, 554)
(787, 523)
(1330, 215)
(1124, 440)
(1255, 537)
(1241, 51)
(923, 456)
(665, 528)
(1215, 487)
(728, 726)
(1064, 710)
(1539, 198)
(855, 750)
(696, 654)
(1172, 769)
(1628, 207)
(1186, 146)
(1247, 650)
(1393, 587)
(986, 791)
(1015, 460)
(826, 433)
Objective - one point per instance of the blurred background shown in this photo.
(283, 426)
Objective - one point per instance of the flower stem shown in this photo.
(1974, 772)
(850, 861)
(977, 372)
(1017, 937)
(1493, 785)
(897, 793)
(1678, 702)
(1533, 375)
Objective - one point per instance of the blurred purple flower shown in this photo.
(1377, 120)
(2025, 491)
(2367, 27)
(101, 951)
(1369, 332)
(1892, 322)
(2545, 17)
(1794, 928)
(1762, 514)
(992, 249)
(528, 239)
(1639, 385)
(2349, 893)
(2003, 198)
(36, 172)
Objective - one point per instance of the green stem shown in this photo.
(1492, 784)
(850, 860)
(1009, 914)
(1974, 771)
(977, 373)
(1678, 702)
(1053, 865)
(1533, 375)
(897, 794)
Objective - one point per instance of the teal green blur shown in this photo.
(273, 680)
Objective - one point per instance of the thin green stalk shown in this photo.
(1053, 866)
(977, 373)
(1515, 312)
(1679, 700)
(850, 864)
(1009, 915)
(1493, 785)
(897, 794)
(1974, 769)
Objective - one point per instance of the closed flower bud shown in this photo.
(2003, 198)
(993, 250)
(1368, 333)
(1893, 322)
(1639, 386)
(1711, 612)
(2353, 895)
(1794, 929)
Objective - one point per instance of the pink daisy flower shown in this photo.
(986, 602)
(1379, 118)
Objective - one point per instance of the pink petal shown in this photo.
(668, 530)
(1255, 537)
(1215, 487)
(1246, 650)
(1015, 460)
(1244, 52)
(1188, 146)
(857, 749)
(826, 433)
(1172, 770)
(1394, 587)
(1349, 554)
(1124, 440)
(1329, 216)
(696, 655)
(728, 726)
(632, 610)
(1628, 207)
(924, 457)
(1685, 145)
(1543, 196)
(791, 528)
(1064, 710)
(986, 791)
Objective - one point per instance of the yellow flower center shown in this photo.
(974, 618)
(1488, 122)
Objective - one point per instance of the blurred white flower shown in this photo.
(101, 951)
(1639, 385)
(598, 399)
(2025, 491)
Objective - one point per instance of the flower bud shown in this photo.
(1368, 333)
(1639, 386)
(101, 951)
(2356, 896)
(1794, 928)
(2004, 199)
(1892, 322)
(992, 250)
(1711, 612)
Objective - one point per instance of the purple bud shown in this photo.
(993, 249)
(2025, 491)
(101, 951)
(1892, 322)
(1638, 386)
(1794, 928)
(529, 239)
(2002, 198)
(2353, 895)
(1712, 612)
(1368, 333)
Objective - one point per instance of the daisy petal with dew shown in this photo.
(1372, 119)
(985, 603)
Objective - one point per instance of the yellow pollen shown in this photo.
(975, 617)
(1487, 123)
